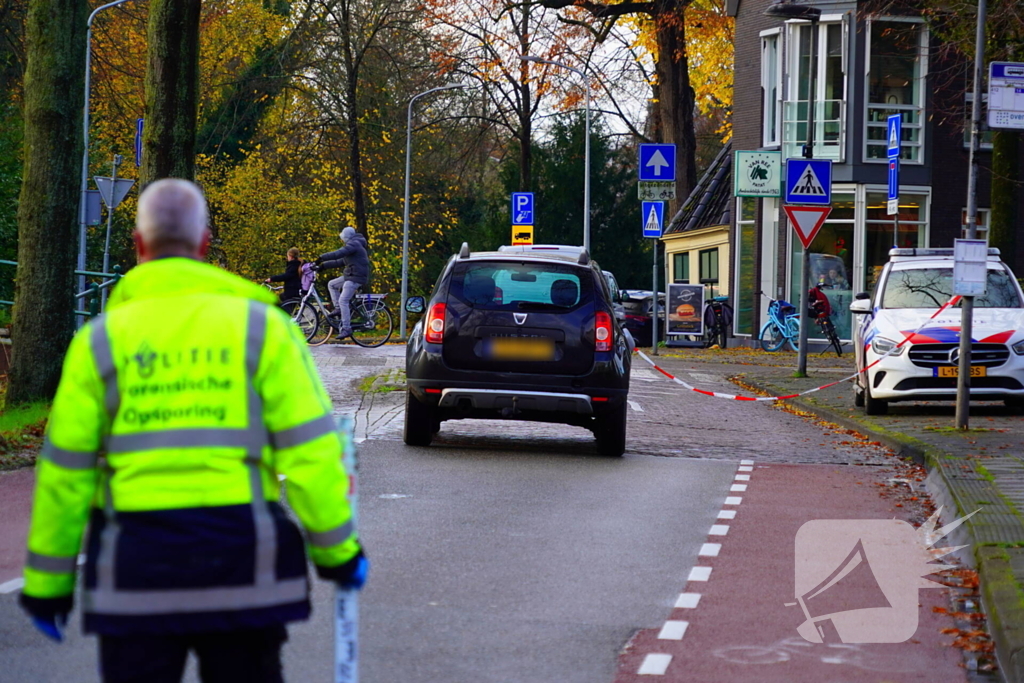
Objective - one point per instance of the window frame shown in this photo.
(775, 35)
(791, 60)
(684, 258)
(924, 42)
(700, 265)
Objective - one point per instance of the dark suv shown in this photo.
(520, 337)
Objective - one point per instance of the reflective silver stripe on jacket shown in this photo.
(267, 590)
(314, 429)
(53, 564)
(331, 537)
(70, 460)
(196, 599)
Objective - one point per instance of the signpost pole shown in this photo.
(805, 268)
(963, 382)
(654, 296)
(110, 223)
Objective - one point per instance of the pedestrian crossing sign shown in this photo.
(653, 216)
(809, 181)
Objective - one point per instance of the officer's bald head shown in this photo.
(171, 220)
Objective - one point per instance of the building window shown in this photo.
(681, 267)
(984, 221)
(896, 76)
(831, 262)
(709, 266)
(746, 257)
(829, 95)
(879, 228)
(986, 135)
(771, 90)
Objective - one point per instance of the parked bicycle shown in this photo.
(372, 323)
(782, 327)
(717, 319)
(821, 310)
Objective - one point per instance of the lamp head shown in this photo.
(787, 9)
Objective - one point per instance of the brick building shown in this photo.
(868, 67)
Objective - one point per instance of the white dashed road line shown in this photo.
(727, 514)
(687, 600)
(700, 574)
(655, 665)
(635, 406)
(12, 585)
(673, 630)
(709, 550)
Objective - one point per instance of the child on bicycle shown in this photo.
(291, 277)
(817, 303)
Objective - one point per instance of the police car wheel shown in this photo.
(872, 405)
(858, 397)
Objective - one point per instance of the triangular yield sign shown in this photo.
(807, 221)
(113, 191)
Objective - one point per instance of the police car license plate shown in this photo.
(520, 348)
(954, 371)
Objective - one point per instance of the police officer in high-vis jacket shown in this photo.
(177, 412)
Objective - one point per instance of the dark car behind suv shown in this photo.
(522, 337)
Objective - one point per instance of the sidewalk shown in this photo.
(981, 469)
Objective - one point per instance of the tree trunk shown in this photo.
(355, 160)
(48, 206)
(676, 100)
(1005, 181)
(172, 87)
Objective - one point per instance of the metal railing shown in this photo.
(829, 128)
(92, 297)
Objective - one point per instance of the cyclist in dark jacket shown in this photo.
(353, 256)
(291, 277)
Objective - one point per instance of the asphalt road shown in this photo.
(488, 565)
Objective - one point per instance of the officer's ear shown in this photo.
(140, 247)
(204, 244)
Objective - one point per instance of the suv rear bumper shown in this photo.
(515, 401)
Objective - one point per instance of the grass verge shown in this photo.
(21, 433)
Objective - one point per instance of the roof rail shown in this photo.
(931, 251)
(464, 251)
(584, 258)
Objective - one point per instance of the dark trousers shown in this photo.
(252, 656)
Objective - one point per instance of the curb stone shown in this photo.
(969, 486)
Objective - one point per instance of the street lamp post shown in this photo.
(789, 10)
(586, 144)
(84, 187)
(405, 216)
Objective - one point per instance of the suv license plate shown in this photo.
(954, 371)
(520, 348)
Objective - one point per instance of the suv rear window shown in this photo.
(932, 287)
(508, 286)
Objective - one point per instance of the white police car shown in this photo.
(912, 286)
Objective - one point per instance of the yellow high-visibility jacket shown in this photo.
(176, 412)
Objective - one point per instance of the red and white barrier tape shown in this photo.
(719, 394)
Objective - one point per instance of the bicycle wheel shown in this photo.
(771, 337)
(833, 338)
(371, 324)
(307, 319)
(324, 331)
(793, 332)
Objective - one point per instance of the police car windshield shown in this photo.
(932, 287)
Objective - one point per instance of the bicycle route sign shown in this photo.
(809, 181)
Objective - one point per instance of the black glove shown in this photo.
(318, 262)
(49, 615)
(351, 575)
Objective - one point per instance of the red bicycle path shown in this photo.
(16, 495)
(740, 629)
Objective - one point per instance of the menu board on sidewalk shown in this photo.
(685, 309)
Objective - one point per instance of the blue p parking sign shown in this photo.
(522, 208)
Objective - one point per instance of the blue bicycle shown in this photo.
(783, 326)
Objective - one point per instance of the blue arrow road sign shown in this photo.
(657, 162)
(138, 143)
(893, 133)
(653, 217)
(894, 178)
(809, 181)
(522, 208)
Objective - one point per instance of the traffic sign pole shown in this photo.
(652, 215)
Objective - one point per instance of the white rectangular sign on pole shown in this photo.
(1006, 95)
(970, 267)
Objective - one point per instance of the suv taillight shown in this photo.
(602, 331)
(435, 324)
